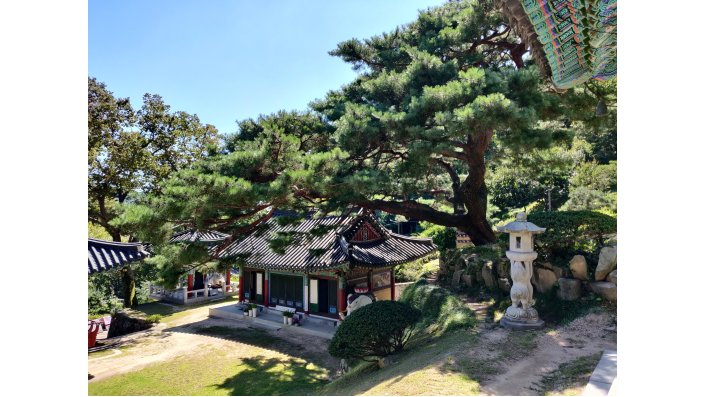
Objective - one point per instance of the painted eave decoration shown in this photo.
(572, 41)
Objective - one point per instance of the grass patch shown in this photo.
(153, 308)
(214, 373)
(569, 378)
(417, 269)
(170, 313)
(442, 310)
(250, 336)
(411, 372)
(481, 370)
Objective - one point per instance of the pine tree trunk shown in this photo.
(128, 287)
(474, 192)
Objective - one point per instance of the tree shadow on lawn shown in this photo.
(264, 339)
(275, 376)
(405, 370)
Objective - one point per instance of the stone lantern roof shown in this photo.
(521, 225)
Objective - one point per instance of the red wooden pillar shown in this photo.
(227, 281)
(241, 283)
(190, 283)
(392, 284)
(266, 288)
(342, 301)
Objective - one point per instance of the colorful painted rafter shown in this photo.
(572, 41)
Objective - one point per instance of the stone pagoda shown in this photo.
(521, 314)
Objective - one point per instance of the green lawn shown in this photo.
(213, 373)
(171, 313)
(417, 370)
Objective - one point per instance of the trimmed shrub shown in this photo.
(374, 331)
(441, 310)
(571, 232)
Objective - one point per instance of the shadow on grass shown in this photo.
(261, 338)
(274, 376)
(404, 371)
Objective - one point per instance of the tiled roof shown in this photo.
(571, 41)
(105, 255)
(196, 235)
(329, 249)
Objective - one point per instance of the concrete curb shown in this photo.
(603, 379)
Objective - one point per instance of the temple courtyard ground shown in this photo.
(191, 354)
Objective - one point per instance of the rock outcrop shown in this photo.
(607, 262)
(544, 279)
(605, 289)
(578, 267)
(569, 289)
(612, 277)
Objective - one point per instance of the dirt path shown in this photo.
(521, 376)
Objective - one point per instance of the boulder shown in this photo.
(467, 279)
(607, 262)
(544, 279)
(487, 275)
(558, 271)
(612, 277)
(578, 267)
(504, 269)
(504, 284)
(605, 289)
(569, 289)
(455, 282)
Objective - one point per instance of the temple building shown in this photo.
(327, 259)
(196, 287)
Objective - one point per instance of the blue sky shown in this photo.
(230, 60)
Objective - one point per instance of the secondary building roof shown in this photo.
(208, 236)
(105, 255)
(327, 243)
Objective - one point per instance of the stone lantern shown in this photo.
(521, 254)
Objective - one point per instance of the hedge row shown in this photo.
(571, 232)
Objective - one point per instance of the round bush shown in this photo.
(373, 331)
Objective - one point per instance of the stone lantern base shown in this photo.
(518, 319)
(520, 325)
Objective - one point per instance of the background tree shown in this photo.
(131, 153)
(262, 168)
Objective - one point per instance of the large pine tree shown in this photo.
(418, 122)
